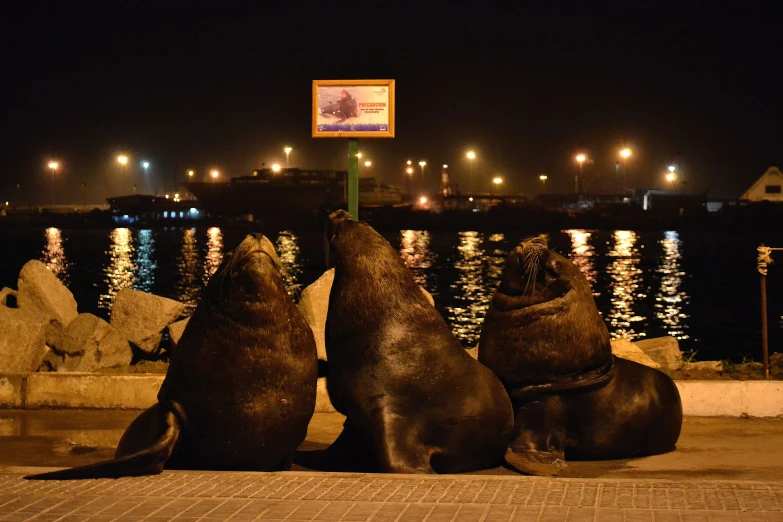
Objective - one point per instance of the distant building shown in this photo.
(769, 187)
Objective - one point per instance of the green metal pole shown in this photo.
(353, 177)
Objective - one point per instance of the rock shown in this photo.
(8, 298)
(42, 294)
(314, 304)
(175, 331)
(141, 317)
(716, 366)
(663, 350)
(628, 350)
(89, 344)
(22, 341)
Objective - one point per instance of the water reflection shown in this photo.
(287, 247)
(144, 278)
(419, 258)
(188, 285)
(583, 256)
(120, 271)
(625, 286)
(53, 255)
(471, 292)
(214, 253)
(670, 298)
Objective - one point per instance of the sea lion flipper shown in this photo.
(148, 461)
(530, 462)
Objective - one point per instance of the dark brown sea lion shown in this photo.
(413, 398)
(241, 386)
(545, 340)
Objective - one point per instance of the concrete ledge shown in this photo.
(731, 398)
(98, 391)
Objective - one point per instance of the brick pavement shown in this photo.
(192, 496)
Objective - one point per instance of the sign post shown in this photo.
(353, 109)
(353, 177)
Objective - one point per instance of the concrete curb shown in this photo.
(99, 391)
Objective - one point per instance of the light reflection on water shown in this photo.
(419, 258)
(120, 272)
(460, 270)
(214, 254)
(471, 293)
(288, 251)
(53, 255)
(670, 298)
(583, 256)
(144, 279)
(188, 287)
(626, 287)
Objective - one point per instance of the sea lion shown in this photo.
(544, 338)
(413, 398)
(240, 388)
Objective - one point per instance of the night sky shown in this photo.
(526, 85)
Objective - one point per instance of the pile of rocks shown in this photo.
(42, 330)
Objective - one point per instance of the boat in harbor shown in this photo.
(286, 190)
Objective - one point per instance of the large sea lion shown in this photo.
(544, 338)
(241, 385)
(415, 401)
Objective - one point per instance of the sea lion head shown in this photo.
(357, 243)
(246, 279)
(541, 279)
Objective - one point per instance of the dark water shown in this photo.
(702, 288)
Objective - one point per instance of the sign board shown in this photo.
(353, 108)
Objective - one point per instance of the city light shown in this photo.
(275, 167)
(470, 198)
(145, 165)
(671, 177)
(190, 173)
(497, 180)
(287, 151)
(122, 160)
(672, 168)
(367, 163)
(625, 153)
(176, 196)
(410, 162)
(445, 166)
(423, 200)
(471, 155)
(53, 165)
(422, 163)
(580, 158)
(214, 174)
(409, 170)
(543, 177)
(359, 155)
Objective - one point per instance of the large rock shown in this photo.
(41, 293)
(89, 344)
(176, 330)
(314, 305)
(627, 350)
(22, 341)
(141, 317)
(663, 350)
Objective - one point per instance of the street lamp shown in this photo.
(671, 177)
(410, 162)
(123, 160)
(53, 165)
(146, 165)
(624, 154)
(191, 174)
(543, 178)
(471, 156)
(497, 181)
(409, 170)
(275, 168)
(367, 163)
(580, 159)
(214, 175)
(287, 151)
